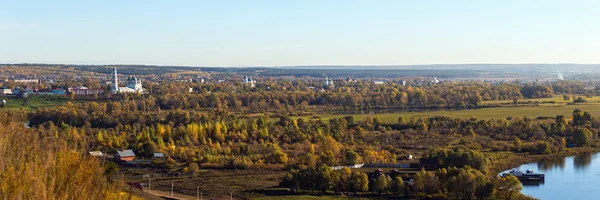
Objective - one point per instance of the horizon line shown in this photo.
(311, 65)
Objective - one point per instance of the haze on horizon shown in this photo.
(295, 32)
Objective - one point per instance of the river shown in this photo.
(575, 177)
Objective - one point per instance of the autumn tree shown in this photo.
(507, 187)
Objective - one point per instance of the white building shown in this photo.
(134, 84)
(328, 83)
(5, 91)
(26, 81)
(249, 81)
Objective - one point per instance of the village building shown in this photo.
(249, 81)
(5, 91)
(328, 83)
(26, 80)
(96, 153)
(84, 91)
(134, 84)
(350, 80)
(378, 82)
(125, 155)
(158, 155)
(58, 91)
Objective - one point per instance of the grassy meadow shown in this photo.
(525, 109)
(35, 101)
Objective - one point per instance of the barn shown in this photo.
(125, 155)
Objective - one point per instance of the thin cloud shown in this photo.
(17, 27)
(282, 47)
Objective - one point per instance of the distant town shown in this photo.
(104, 80)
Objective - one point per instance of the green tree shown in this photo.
(507, 187)
(400, 121)
(279, 157)
(517, 143)
(465, 184)
(290, 180)
(193, 167)
(352, 158)
(543, 147)
(323, 178)
(582, 136)
(380, 184)
(342, 180)
(359, 182)
(398, 185)
(422, 127)
(328, 158)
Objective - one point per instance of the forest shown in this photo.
(196, 139)
(275, 129)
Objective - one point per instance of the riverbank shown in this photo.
(502, 161)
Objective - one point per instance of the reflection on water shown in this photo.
(549, 165)
(574, 177)
(533, 183)
(581, 162)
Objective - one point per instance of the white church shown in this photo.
(134, 85)
(249, 81)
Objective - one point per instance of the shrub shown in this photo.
(36, 167)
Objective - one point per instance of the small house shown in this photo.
(96, 153)
(125, 155)
(16, 91)
(5, 91)
(59, 91)
(158, 155)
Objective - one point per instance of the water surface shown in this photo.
(575, 177)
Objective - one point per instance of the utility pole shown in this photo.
(171, 188)
(197, 192)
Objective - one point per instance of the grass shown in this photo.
(218, 184)
(35, 101)
(533, 111)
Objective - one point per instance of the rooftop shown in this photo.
(126, 153)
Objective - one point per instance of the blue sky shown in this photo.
(299, 32)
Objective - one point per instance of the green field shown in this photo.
(35, 101)
(533, 111)
(558, 99)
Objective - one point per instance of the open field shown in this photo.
(219, 184)
(484, 113)
(558, 99)
(35, 101)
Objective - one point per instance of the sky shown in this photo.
(299, 32)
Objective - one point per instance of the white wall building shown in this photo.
(249, 81)
(134, 84)
(328, 83)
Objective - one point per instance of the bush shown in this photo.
(36, 167)
(579, 100)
